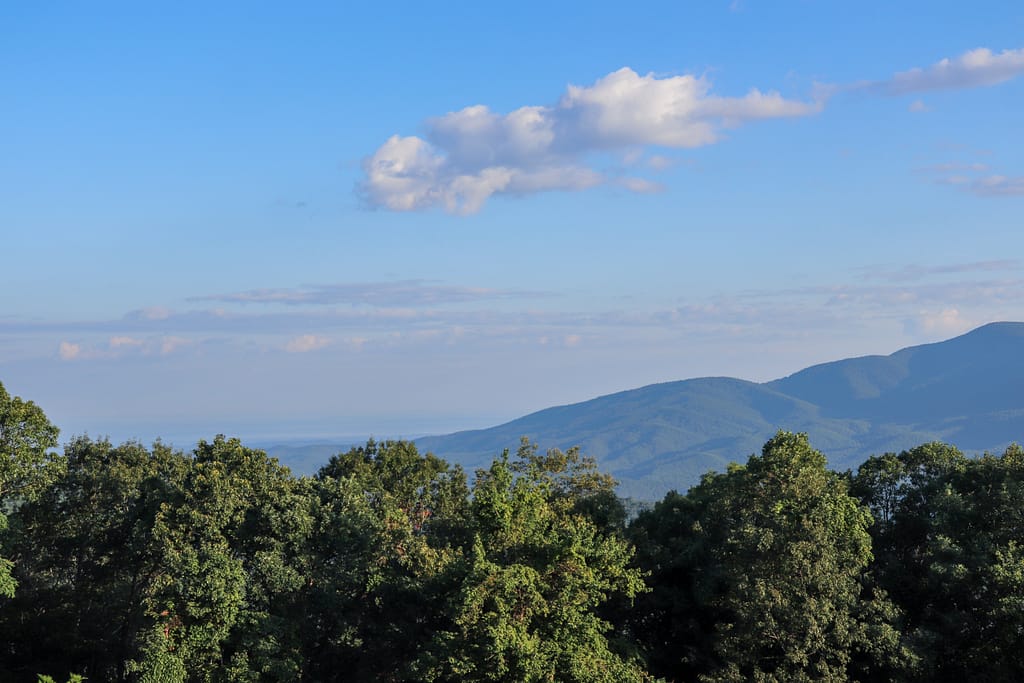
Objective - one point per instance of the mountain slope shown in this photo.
(966, 390)
(974, 374)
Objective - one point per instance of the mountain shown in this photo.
(968, 391)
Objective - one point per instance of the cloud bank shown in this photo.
(468, 156)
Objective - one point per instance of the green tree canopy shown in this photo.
(27, 463)
(949, 547)
(534, 579)
(758, 572)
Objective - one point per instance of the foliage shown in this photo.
(26, 463)
(534, 578)
(149, 565)
(87, 557)
(757, 573)
(949, 554)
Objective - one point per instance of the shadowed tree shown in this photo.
(533, 580)
(949, 554)
(757, 574)
(27, 463)
(87, 558)
(228, 599)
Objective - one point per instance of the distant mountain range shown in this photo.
(968, 391)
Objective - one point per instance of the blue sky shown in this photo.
(415, 217)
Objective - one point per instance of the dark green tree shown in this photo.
(534, 578)
(228, 598)
(27, 463)
(86, 559)
(758, 574)
(948, 552)
(388, 524)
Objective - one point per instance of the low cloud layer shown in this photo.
(469, 155)
(926, 299)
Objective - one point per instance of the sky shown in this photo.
(333, 219)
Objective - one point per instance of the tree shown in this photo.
(87, 558)
(532, 582)
(227, 595)
(760, 573)
(949, 554)
(389, 522)
(26, 462)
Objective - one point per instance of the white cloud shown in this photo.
(306, 343)
(469, 155)
(974, 68)
(918, 106)
(69, 351)
(624, 108)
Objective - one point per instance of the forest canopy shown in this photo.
(145, 563)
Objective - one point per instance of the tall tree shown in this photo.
(949, 554)
(534, 578)
(86, 559)
(227, 597)
(769, 559)
(389, 522)
(27, 463)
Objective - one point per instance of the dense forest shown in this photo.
(148, 564)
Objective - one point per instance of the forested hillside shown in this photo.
(964, 390)
(147, 564)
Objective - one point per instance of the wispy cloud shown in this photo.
(953, 166)
(402, 293)
(923, 300)
(118, 346)
(125, 342)
(977, 178)
(998, 186)
(963, 293)
(914, 271)
(898, 292)
(469, 155)
(306, 343)
(972, 69)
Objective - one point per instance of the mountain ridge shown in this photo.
(965, 390)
